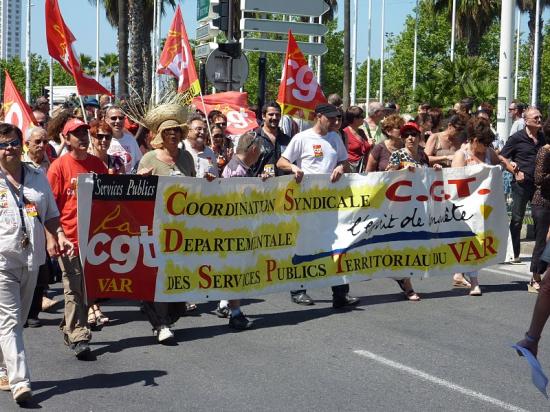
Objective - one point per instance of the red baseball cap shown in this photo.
(410, 126)
(72, 125)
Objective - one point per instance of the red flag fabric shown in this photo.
(240, 118)
(15, 109)
(60, 46)
(299, 91)
(176, 58)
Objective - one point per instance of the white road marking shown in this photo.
(438, 381)
(510, 273)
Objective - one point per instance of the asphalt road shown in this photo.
(448, 352)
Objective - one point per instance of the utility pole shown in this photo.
(505, 67)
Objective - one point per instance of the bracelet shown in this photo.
(59, 230)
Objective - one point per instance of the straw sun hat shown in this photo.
(166, 116)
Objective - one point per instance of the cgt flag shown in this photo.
(177, 60)
(16, 111)
(240, 119)
(299, 91)
(60, 47)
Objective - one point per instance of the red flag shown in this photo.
(176, 58)
(15, 108)
(240, 118)
(60, 46)
(299, 91)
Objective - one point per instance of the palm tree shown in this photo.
(529, 6)
(87, 64)
(473, 18)
(112, 14)
(108, 65)
(137, 39)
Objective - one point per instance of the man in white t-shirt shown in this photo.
(205, 159)
(123, 143)
(316, 151)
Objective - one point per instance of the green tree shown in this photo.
(333, 61)
(109, 68)
(473, 17)
(529, 7)
(87, 64)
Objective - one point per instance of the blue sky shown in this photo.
(80, 16)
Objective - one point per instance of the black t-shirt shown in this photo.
(270, 153)
(521, 149)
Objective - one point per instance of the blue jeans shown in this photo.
(521, 195)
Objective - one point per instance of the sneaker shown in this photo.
(81, 349)
(22, 394)
(4, 381)
(164, 334)
(33, 323)
(224, 312)
(516, 261)
(240, 322)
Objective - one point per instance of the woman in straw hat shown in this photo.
(167, 159)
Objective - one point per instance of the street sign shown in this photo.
(282, 27)
(204, 50)
(279, 46)
(206, 32)
(203, 9)
(217, 70)
(292, 7)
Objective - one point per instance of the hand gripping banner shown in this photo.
(187, 239)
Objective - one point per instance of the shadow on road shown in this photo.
(96, 381)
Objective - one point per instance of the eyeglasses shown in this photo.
(115, 118)
(221, 124)
(13, 143)
(410, 134)
(101, 136)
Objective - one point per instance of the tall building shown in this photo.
(10, 28)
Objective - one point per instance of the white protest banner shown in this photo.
(187, 239)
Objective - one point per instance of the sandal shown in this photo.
(92, 321)
(100, 318)
(410, 294)
(527, 343)
(533, 286)
(461, 283)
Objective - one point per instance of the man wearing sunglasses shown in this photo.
(63, 175)
(521, 150)
(123, 144)
(317, 151)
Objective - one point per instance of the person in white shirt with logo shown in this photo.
(315, 151)
(123, 144)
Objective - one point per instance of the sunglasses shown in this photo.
(13, 143)
(115, 118)
(413, 134)
(222, 124)
(101, 136)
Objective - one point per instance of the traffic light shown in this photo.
(222, 9)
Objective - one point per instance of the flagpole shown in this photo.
(82, 107)
(153, 39)
(28, 58)
(206, 116)
(97, 45)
